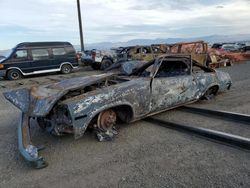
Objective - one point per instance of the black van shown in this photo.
(31, 58)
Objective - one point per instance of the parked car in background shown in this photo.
(217, 45)
(230, 47)
(245, 49)
(104, 59)
(32, 58)
(97, 59)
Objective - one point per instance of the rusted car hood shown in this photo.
(39, 100)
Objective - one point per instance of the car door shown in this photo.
(172, 85)
(41, 60)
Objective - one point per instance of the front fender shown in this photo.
(82, 118)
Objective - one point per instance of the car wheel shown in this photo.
(106, 63)
(66, 69)
(105, 129)
(14, 74)
(96, 66)
(210, 93)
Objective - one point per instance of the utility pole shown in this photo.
(80, 24)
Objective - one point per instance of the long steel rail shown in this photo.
(232, 116)
(222, 137)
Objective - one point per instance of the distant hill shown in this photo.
(4, 52)
(209, 39)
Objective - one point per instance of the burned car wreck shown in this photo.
(100, 101)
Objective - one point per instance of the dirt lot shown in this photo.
(143, 154)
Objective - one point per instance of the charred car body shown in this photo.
(100, 101)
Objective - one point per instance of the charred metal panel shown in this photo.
(20, 98)
(40, 100)
(84, 108)
(177, 90)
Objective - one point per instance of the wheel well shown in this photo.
(215, 89)
(107, 58)
(212, 90)
(124, 113)
(14, 69)
(66, 64)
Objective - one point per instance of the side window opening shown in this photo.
(146, 50)
(156, 50)
(137, 50)
(69, 49)
(58, 51)
(171, 68)
(21, 54)
(197, 68)
(40, 54)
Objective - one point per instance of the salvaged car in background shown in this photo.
(139, 53)
(101, 60)
(100, 101)
(98, 59)
(198, 50)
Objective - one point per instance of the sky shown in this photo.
(119, 20)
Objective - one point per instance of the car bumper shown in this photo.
(2, 73)
(27, 150)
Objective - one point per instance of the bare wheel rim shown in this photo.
(106, 120)
(66, 69)
(15, 75)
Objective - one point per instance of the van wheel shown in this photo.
(14, 74)
(66, 69)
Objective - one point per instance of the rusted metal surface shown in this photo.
(71, 106)
(25, 146)
(221, 58)
(106, 119)
(198, 50)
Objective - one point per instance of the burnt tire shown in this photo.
(14, 74)
(106, 63)
(66, 69)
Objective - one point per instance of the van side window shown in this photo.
(21, 54)
(58, 51)
(40, 54)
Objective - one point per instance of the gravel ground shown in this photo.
(143, 155)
